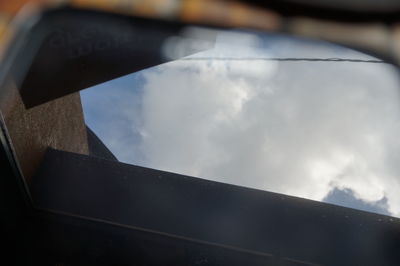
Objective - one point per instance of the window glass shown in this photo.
(271, 112)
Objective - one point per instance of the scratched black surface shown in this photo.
(230, 216)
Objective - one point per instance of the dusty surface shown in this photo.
(58, 124)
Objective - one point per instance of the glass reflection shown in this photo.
(240, 114)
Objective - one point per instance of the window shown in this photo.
(266, 111)
(92, 101)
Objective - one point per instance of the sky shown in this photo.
(325, 131)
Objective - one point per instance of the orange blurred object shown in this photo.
(213, 12)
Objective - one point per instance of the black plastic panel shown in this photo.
(215, 214)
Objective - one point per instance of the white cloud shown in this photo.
(297, 128)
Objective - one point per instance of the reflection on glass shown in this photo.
(322, 130)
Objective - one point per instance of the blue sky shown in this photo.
(109, 110)
(319, 130)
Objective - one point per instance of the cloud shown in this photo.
(346, 198)
(298, 128)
